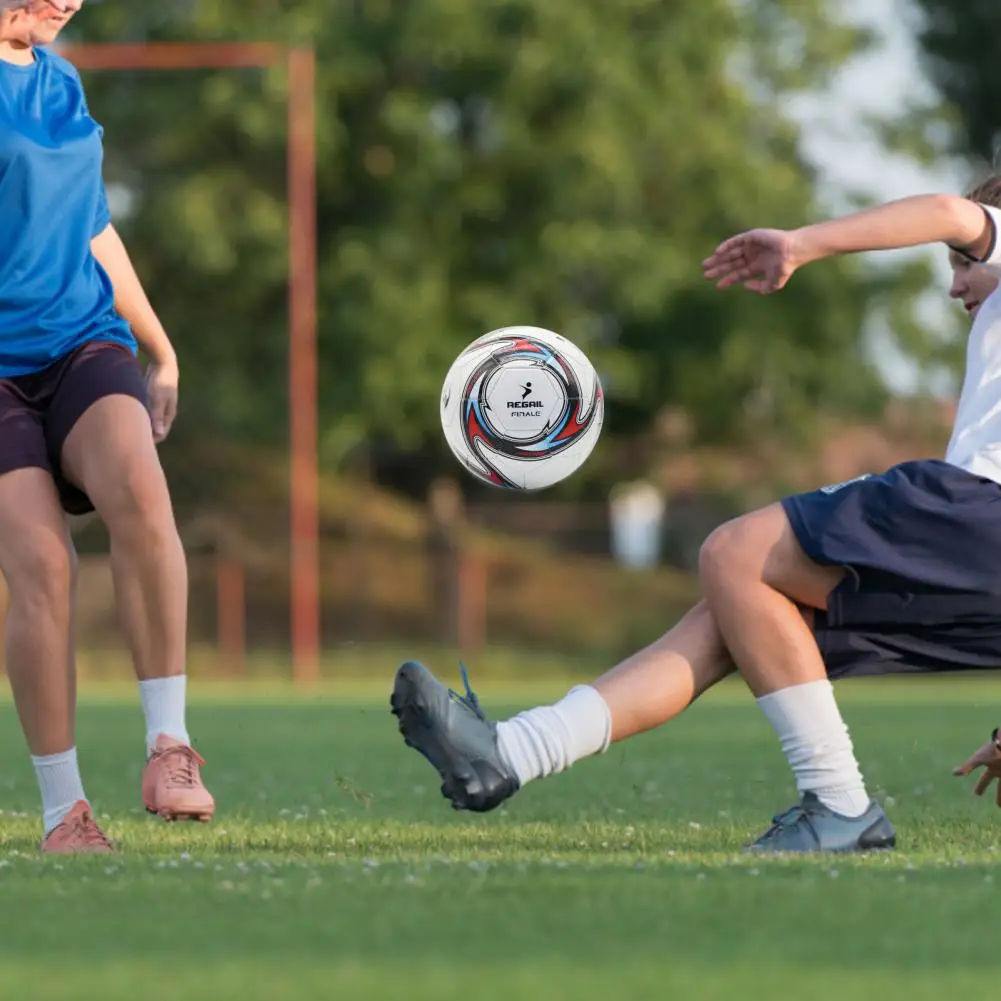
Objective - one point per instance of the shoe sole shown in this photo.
(854, 850)
(78, 851)
(461, 783)
(201, 816)
(867, 845)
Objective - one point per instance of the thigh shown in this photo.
(22, 429)
(98, 428)
(110, 456)
(35, 544)
(763, 546)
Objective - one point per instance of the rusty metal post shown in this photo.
(472, 600)
(301, 66)
(303, 401)
(231, 615)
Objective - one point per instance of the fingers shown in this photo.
(727, 259)
(970, 765)
(731, 249)
(169, 413)
(162, 409)
(986, 754)
(745, 260)
(730, 276)
(156, 415)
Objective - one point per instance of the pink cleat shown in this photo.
(77, 834)
(172, 782)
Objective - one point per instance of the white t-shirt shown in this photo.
(976, 437)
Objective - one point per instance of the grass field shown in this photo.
(335, 870)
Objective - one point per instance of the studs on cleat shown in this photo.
(171, 816)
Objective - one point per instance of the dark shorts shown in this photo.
(38, 411)
(922, 547)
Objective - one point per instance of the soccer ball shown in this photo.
(522, 408)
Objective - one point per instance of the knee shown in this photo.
(724, 555)
(41, 578)
(138, 506)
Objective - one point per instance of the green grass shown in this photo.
(335, 870)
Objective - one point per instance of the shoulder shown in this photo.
(59, 68)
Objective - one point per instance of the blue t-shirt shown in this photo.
(54, 296)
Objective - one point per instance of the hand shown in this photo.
(761, 260)
(161, 384)
(987, 757)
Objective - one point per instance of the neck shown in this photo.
(19, 53)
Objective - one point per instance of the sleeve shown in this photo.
(992, 259)
(102, 214)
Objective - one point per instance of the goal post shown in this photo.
(300, 65)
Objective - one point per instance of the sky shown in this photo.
(880, 81)
(836, 141)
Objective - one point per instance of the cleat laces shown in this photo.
(181, 763)
(469, 700)
(84, 827)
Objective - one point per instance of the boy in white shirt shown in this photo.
(894, 573)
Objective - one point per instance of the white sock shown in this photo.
(163, 702)
(815, 740)
(60, 784)
(550, 739)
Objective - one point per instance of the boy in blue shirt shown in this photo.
(80, 426)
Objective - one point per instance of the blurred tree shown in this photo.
(561, 163)
(961, 43)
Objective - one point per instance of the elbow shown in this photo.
(964, 224)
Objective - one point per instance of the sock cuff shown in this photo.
(597, 705)
(796, 699)
(152, 684)
(51, 760)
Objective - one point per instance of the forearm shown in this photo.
(130, 297)
(909, 222)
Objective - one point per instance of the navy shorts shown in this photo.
(922, 547)
(38, 411)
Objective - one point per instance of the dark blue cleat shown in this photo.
(454, 734)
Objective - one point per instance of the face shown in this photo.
(37, 22)
(972, 284)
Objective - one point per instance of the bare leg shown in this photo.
(38, 561)
(641, 693)
(110, 454)
(754, 574)
(656, 684)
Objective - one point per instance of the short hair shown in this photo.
(987, 192)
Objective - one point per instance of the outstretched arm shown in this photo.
(763, 260)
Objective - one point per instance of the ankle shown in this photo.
(550, 739)
(60, 785)
(164, 702)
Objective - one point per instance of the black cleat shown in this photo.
(454, 734)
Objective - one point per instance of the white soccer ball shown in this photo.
(522, 408)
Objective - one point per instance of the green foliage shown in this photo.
(960, 42)
(514, 161)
